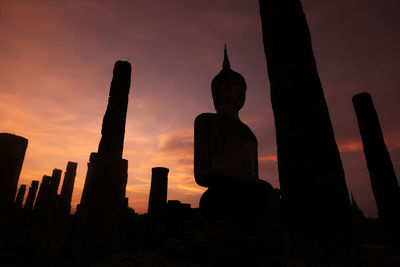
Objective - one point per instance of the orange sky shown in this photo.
(56, 68)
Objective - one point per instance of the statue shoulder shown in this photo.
(205, 120)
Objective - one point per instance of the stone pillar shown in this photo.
(383, 178)
(12, 154)
(54, 183)
(68, 186)
(43, 193)
(20, 196)
(103, 196)
(31, 195)
(158, 190)
(315, 199)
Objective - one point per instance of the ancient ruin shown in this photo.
(12, 156)
(158, 190)
(103, 196)
(20, 196)
(30, 199)
(383, 178)
(68, 187)
(315, 199)
(225, 155)
(41, 199)
(53, 188)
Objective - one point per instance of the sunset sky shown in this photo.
(56, 61)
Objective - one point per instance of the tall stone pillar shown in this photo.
(43, 193)
(68, 186)
(103, 195)
(383, 178)
(20, 196)
(315, 199)
(31, 195)
(158, 190)
(12, 154)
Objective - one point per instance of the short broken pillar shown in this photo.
(54, 183)
(43, 193)
(31, 195)
(20, 197)
(383, 178)
(12, 154)
(158, 190)
(68, 186)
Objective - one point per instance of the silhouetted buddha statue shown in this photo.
(225, 155)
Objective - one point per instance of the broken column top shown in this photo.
(15, 138)
(71, 166)
(362, 100)
(160, 170)
(113, 129)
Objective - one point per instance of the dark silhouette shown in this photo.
(383, 178)
(30, 199)
(225, 155)
(158, 190)
(356, 211)
(103, 197)
(20, 196)
(54, 184)
(12, 156)
(315, 200)
(42, 195)
(68, 187)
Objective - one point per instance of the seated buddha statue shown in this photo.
(225, 155)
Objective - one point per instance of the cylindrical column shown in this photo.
(43, 193)
(54, 183)
(315, 198)
(113, 128)
(31, 195)
(20, 196)
(158, 190)
(383, 178)
(68, 185)
(12, 154)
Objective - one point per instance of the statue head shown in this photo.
(228, 89)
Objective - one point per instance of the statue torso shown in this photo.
(224, 147)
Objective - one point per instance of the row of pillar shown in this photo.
(48, 190)
(315, 199)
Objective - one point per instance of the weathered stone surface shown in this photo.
(158, 190)
(315, 198)
(383, 178)
(225, 154)
(30, 199)
(12, 154)
(20, 196)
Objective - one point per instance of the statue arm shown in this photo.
(203, 142)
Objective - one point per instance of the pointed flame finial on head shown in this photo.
(226, 64)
